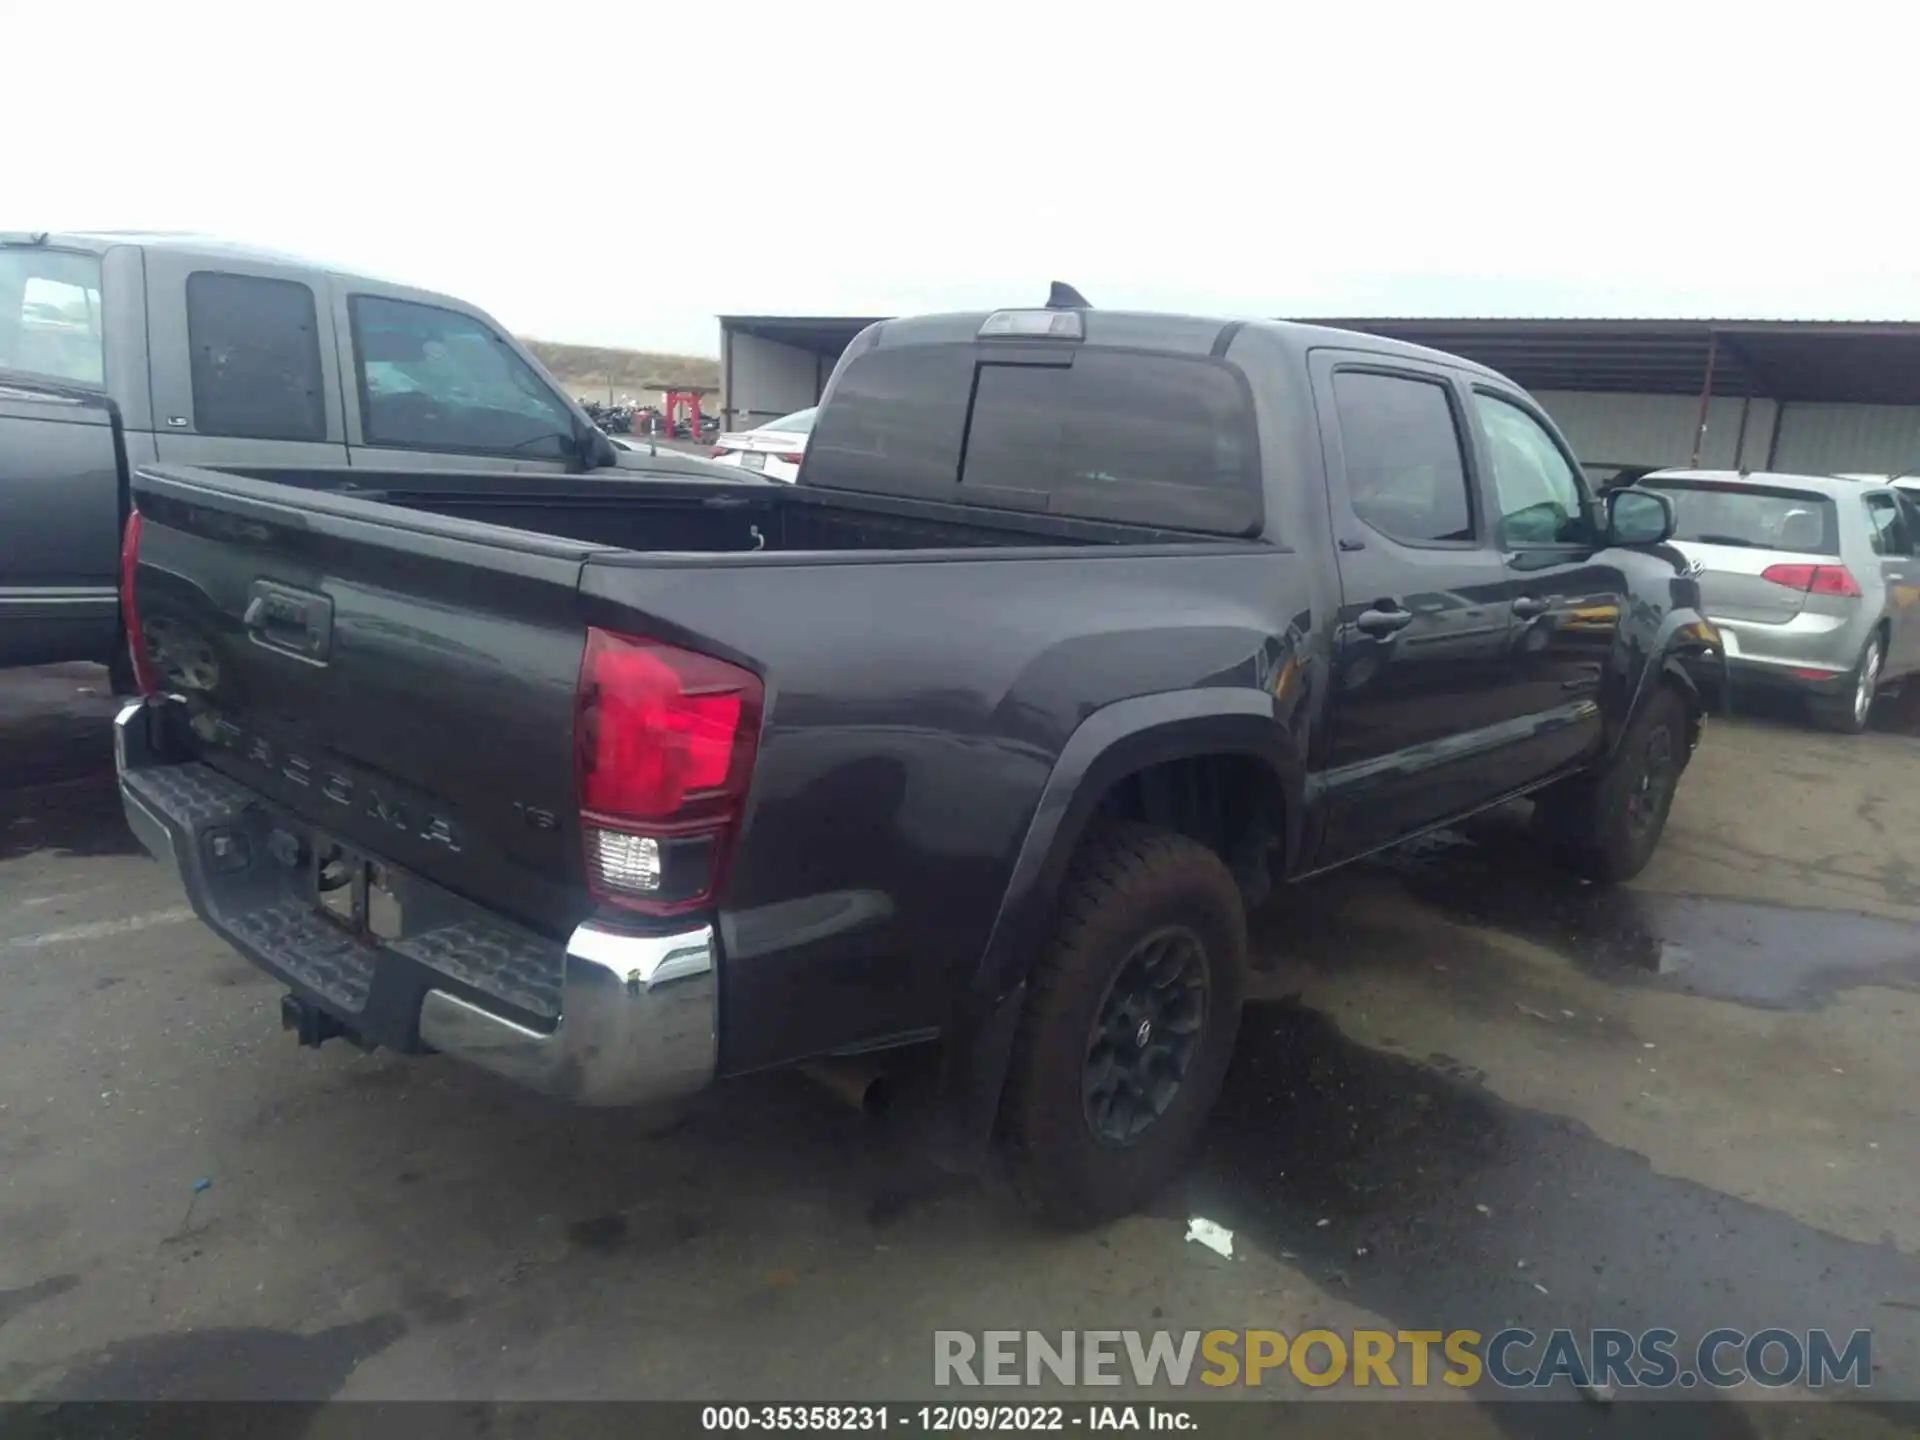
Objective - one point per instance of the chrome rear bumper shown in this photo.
(633, 1016)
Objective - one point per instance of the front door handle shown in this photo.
(1383, 622)
(1528, 606)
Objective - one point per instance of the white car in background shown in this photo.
(774, 449)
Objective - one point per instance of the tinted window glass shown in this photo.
(798, 423)
(1405, 473)
(434, 379)
(50, 314)
(1536, 489)
(1889, 526)
(1146, 439)
(893, 423)
(1754, 517)
(255, 363)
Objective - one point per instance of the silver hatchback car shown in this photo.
(1813, 580)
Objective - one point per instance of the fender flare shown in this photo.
(1680, 653)
(1115, 741)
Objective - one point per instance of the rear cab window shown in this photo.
(254, 358)
(50, 318)
(1125, 436)
(1753, 516)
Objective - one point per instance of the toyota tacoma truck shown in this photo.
(1079, 633)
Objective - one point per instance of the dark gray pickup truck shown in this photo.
(1078, 633)
(117, 350)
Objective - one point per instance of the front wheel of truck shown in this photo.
(1129, 1024)
(1605, 827)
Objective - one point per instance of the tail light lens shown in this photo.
(664, 744)
(136, 641)
(1814, 579)
(720, 450)
(793, 459)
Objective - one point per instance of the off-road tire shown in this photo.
(1129, 883)
(1605, 827)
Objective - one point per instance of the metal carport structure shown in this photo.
(1746, 394)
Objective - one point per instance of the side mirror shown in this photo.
(597, 452)
(1639, 517)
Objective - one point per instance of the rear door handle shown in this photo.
(1383, 622)
(1528, 606)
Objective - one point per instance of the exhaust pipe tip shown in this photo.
(866, 1088)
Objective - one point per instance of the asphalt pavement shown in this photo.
(1470, 1093)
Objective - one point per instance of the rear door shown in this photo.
(1423, 692)
(59, 524)
(430, 385)
(1893, 547)
(60, 501)
(242, 362)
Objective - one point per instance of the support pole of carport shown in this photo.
(1706, 395)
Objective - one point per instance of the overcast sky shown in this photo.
(620, 174)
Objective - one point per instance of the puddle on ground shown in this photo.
(1435, 1203)
(1768, 956)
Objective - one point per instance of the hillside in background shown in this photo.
(590, 372)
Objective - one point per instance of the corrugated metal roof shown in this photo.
(1861, 361)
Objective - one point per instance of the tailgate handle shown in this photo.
(295, 622)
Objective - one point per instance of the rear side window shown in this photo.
(1141, 439)
(1752, 517)
(1406, 471)
(1889, 526)
(255, 359)
(894, 423)
(1118, 436)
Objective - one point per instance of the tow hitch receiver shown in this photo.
(312, 1025)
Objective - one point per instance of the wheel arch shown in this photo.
(1113, 746)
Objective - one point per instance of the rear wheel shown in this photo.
(1129, 1025)
(1606, 827)
(1849, 713)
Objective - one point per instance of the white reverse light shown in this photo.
(625, 862)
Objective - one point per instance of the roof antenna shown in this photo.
(1064, 297)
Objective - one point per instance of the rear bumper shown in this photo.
(1809, 642)
(608, 1018)
(1793, 675)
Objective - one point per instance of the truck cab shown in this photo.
(124, 349)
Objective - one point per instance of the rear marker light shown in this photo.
(1814, 579)
(135, 638)
(664, 745)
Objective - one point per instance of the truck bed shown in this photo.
(674, 516)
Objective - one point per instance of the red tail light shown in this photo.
(1814, 579)
(793, 459)
(664, 745)
(136, 640)
(720, 450)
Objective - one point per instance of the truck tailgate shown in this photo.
(404, 683)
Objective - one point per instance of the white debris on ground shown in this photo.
(1216, 1238)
